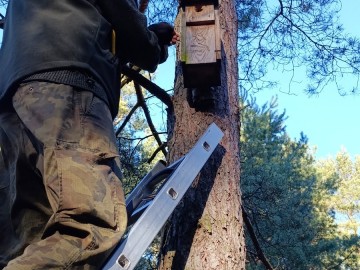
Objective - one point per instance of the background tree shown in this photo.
(288, 200)
(342, 202)
(277, 182)
(346, 200)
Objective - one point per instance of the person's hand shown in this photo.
(165, 33)
(166, 36)
(175, 38)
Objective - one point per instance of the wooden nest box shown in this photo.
(200, 51)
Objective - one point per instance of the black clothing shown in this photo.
(45, 37)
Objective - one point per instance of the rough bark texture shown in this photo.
(205, 232)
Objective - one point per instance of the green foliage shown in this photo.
(288, 200)
(150, 259)
(343, 202)
(346, 200)
(276, 187)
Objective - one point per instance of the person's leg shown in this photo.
(80, 174)
(24, 208)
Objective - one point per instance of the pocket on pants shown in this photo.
(49, 111)
(88, 189)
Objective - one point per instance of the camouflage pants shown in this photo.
(61, 200)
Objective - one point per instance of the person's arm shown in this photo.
(134, 41)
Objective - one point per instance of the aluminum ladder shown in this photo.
(148, 212)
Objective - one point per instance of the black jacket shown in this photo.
(43, 35)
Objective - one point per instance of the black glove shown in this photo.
(163, 31)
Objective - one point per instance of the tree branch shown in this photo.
(337, 266)
(143, 105)
(140, 138)
(255, 240)
(127, 119)
(148, 85)
(127, 79)
(160, 148)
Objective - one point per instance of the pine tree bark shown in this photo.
(206, 230)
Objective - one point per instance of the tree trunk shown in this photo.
(205, 231)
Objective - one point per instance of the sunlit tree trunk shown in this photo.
(205, 232)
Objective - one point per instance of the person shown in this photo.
(61, 199)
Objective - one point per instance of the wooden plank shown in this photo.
(200, 44)
(183, 36)
(200, 15)
(217, 35)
